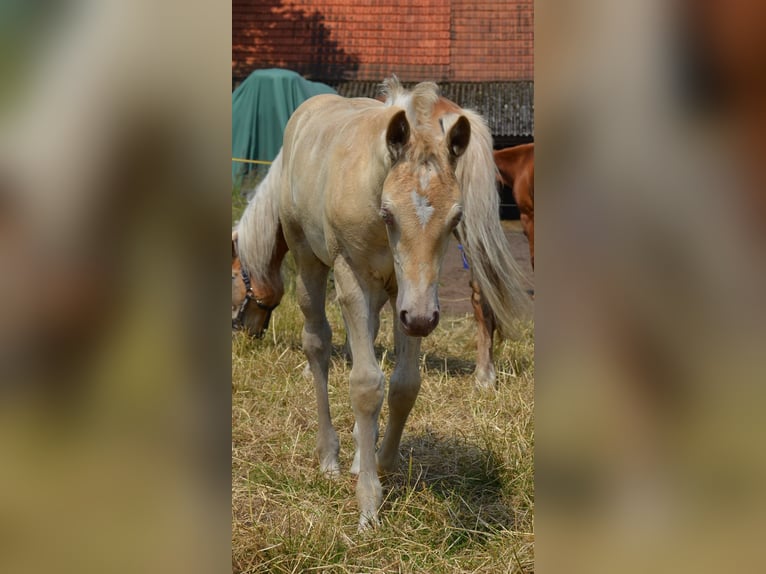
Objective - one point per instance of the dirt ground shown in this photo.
(454, 291)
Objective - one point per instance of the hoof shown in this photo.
(330, 469)
(368, 521)
(485, 380)
(388, 467)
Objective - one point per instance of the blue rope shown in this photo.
(462, 254)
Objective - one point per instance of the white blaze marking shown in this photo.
(423, 209)
(425, 176)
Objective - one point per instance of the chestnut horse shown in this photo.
(373, 190)
(516, 169)
(256, 292)
(516, 166)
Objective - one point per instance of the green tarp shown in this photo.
(260, 108)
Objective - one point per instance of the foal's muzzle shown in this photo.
(419, 325)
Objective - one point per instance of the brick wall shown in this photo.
(492, 40)
(442, 40)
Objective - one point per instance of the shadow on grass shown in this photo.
(448, 365)
(465, 477)
(452, 366)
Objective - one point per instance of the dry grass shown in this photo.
(463, 500)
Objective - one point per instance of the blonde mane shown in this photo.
(481, 233)
(257, 230)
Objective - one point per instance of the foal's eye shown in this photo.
(456, 219)
(386, 215)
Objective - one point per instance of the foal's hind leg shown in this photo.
(311, 288)
(403, 390)
(361, 303)
(485, 330)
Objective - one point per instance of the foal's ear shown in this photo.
(397, 134)
(234, 236)
(458, 137)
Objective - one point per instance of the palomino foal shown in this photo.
(369, 191)
(373, 190)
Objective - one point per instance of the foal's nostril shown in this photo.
(419, 325)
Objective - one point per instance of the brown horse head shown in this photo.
(421, 204)
(252, 301)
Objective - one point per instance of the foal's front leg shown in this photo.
(403, 390)
(361, 305)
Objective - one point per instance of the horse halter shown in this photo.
(237, 322)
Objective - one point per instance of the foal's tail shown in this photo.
(481, 234)
(258, 229)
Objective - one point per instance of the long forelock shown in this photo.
(392, 90)
(426, 143)
(424, 97)
(425, 148)
(418, 103)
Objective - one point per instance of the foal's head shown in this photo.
(251, 301)
(421, 205)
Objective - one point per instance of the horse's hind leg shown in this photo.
(403, 390)
(311, 286)
(485, 329)
(360, 304)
